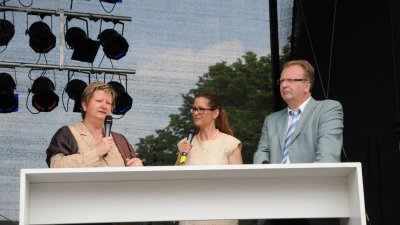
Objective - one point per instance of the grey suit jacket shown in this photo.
(318, 135)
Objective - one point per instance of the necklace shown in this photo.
(213, 137)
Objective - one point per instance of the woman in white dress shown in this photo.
(213, 145)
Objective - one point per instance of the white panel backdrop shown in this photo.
(171, 44)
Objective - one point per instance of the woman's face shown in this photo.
(99, 106)
(203, 115)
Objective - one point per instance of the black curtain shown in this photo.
(354, 46)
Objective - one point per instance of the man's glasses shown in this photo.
(290, 81)
(199, 110)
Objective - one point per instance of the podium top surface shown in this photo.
(245, 171)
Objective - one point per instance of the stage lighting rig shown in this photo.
(44, 98)
(41, 38)
(74, 89)
(8, 100)
(114, 44)
(123, 102)
(85, 49)
(7, 32)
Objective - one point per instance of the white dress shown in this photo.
(211, 152)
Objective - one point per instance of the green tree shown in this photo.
(245, 88)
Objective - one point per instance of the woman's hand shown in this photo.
(104, 146)
(133, 162)
(184, 146)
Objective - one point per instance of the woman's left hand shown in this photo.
(134, 162)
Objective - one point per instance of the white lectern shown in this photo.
(166, 193)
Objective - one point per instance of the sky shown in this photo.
(171, 44)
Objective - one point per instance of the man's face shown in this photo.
(294, 87)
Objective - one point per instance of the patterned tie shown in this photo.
(292, 126)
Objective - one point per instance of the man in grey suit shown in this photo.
(314, 135)
(318, 135)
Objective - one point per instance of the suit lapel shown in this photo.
(282, 127)
(308, 111)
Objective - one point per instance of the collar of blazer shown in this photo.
(304, 117)
(82, 129)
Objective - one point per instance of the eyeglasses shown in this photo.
(200, 110)
(290, 81)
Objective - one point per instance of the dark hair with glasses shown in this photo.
(214, 102)
(307, 68)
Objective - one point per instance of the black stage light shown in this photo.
(44, 99)
(73, 36)
(123, 102)
(8, 100)
(6, 32)
(85, 49)
(114, 44)
(74, 90)
(41, 39)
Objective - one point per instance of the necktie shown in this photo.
(292, 126)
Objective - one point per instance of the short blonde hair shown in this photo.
(97, 86)
(307, 67)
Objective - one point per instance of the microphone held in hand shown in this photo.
(107, 128)
(107, 125)
(190, 135)
(183, 158)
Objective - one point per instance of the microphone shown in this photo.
(183, 158)
(107, 128)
